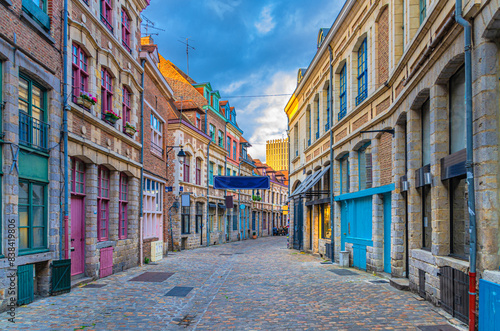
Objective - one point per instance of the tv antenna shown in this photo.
(187, 51)
(149, 25)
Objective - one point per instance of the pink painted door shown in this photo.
(77, 236)
(106, 262)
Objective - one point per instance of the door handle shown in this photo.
(72, 239)
(345, 233)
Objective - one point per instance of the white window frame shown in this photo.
(152, 208)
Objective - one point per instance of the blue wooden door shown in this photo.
(387, 233)
(489, 305)
(343, 224)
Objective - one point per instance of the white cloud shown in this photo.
(266, 21)
(221, 7)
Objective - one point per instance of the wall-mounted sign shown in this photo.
(169, 189)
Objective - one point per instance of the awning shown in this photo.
(212, 205)
(241, 182)
(301, 186)
(221, 206)
(310, 181)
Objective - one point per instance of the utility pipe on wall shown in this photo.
(143, 62)
(65, 138)
(330, 87)
(469, 161)
(208, 191)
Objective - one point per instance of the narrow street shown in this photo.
(254, 284)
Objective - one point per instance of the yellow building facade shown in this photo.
(277, 153)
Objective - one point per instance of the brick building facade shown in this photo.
(392, 100)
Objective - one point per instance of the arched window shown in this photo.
(102, 204)
(80, 74)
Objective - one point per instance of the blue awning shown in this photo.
(241, 182)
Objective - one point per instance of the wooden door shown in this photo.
(77, 236)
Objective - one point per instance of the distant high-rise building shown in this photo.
(277, 154)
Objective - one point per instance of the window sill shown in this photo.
(37, 27)
(35, 251)
(105, 244)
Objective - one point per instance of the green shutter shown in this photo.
(37, 13)
(33, 166)
(25, 292)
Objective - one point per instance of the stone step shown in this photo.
(79, 281)
(402, 284)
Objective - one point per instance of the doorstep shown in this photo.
(402, 284)
(79, 281)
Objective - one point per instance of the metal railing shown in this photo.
(156, 149)
(33, 132)
(127, 47)
(342, 113)
(361, 96)
(106, 23)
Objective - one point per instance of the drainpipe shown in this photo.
(469, 161)
(208, 189)
(239, 198)
(65, 134)
(143, 61)
(224, 174)
(330, 87)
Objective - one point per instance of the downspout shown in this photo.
(469, 161)
(239, 198)
(224, 174)
(208, 188)
(330, 87)
(65, 134)
(143, 61)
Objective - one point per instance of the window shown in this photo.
(156, 135)
(422, 9)
(426, 134)
(234, 172)
(199, 216)
(228, 172)
(426, 217)
(198, 171)
(211, 173)
(126, 105)
(152, 208)
(102, 203)
(80, 76)
(362, 73)
(235, 218)
(220, 171)
(228, 141)
(126, 31)
(186, 169)
(344, 174)
(185, 220)
(327, 124)
(365, 167)
(326, 228)
(308, 119)
(33, 131)
(459, 225)
(221, 139)
(37, 9)
(32, 216)
(317, 118)
(122, 207)
(343, 94)
(198, 121)
(107, 14)
(296, 139)
(234, 150)
(77, 177)
(106, 91)
(457, 112)
(211, 219)
(212, 132)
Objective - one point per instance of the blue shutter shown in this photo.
(25, 282)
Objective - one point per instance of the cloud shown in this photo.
(266, 21)
(221, 7)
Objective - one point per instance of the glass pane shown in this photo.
(36, 98)
(23, 106)
(460, 218)
(38, 237)
(38, 216)
(23, 238)
(426, 134)
(38, 194)
(23, 89)
(427, 217)
(457, 112)
(23, 215)
(23, 193)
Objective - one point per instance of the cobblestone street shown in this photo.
(255, 284)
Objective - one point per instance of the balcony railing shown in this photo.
(342, 113)
(156, 149)
(127, 47)
(361, 96)
(327, 126)
(33, 132)
(106, 23)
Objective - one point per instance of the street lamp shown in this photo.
(181, 155)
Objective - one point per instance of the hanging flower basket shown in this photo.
(86, 100)
(111, 117)
(129, 129)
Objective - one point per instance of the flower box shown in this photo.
(84, 102)
(111, 117)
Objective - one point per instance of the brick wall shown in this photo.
(383, 46)
(385, 159)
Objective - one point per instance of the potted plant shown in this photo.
(111, 117)
(86, 100)
(129, 129)
(254, 236)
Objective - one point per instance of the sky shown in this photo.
(244, 48)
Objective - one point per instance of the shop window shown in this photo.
(326, 228)
(32, 216)
(362, 73)
(126, 31)
(211, 219)
(122, 207)
(185, 220)
(80, 75)
(426, 134)
(107, 14)
(199, 216)
(365, 167)
(344, 174)
(152, 208)
(343, 93)
(102, 204)
(220, 219)
(459, 215)
(106, 91)
(457, 112)
(77, 177)
(426, 217)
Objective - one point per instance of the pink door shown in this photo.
(77, 236)
(106, 262)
